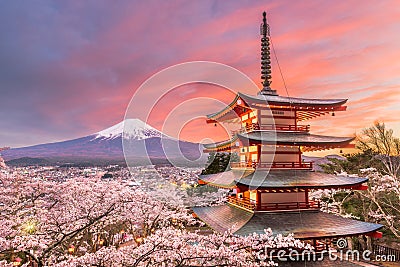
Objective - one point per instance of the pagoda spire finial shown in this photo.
(265, 58)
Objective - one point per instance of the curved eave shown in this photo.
(303, 224)
(224, 180)
(222, 186)
(282, 179)
(304, 179)
(308, 225)
(227, 111)
(264, 100)
(350, 185)
(308, 108)
(292, 138)
(220, 146)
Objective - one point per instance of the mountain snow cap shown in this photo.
(135, 129)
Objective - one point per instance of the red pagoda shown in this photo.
(270, 184)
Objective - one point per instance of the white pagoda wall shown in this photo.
(268, 117)
(269, 154)
(283, 197)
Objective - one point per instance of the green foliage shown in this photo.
(353, 163)
(333, 166)
(107, 176)
(219, 162)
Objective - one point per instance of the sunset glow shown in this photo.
(69, 69)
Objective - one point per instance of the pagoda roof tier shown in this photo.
(221, 179)
(292, 138)
(299, 179)
(221, 146)
(276, 100)
(308, 108)
(303, 224)
(282, 179)
(309, 142)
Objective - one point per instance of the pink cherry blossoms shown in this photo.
(93, 222)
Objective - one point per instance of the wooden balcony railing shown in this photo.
(286, 165)
(273, 165)
(289, 205)
(242, 202)
(243, 164)
(275, 127)
(253, 206)
(285, 127)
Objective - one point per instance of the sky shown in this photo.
(70, 68)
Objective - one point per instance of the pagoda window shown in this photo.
(253, 149)
(278, 112)
(253, 196)
(245, 117)
(249, 154)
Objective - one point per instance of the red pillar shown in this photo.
(299, 156)
(258, 200)
(307, 201)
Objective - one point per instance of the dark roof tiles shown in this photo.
(303, 224)
(298, 179)
(276, 99)
(223, 218)
(281, 179)
(296, 138)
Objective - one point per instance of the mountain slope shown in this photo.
(140, 140)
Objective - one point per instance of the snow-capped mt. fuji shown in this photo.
(133, 129)
(133, 138)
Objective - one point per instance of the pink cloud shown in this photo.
(346, 49)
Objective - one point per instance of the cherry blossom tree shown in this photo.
(93, 222)
(383, 195)
(42, 220)
(380, 151)
(333, 201)
(379, 203)
(174, 247)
